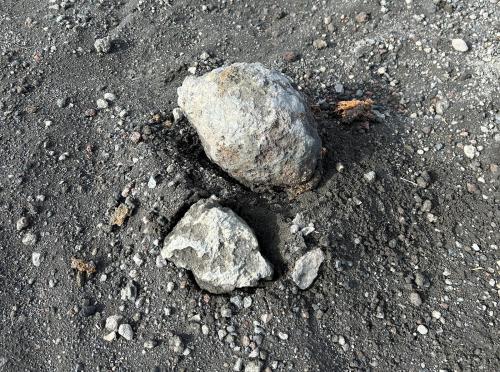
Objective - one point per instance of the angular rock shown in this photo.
(113, 322)
(218, 247)
(125, 330)
(254, 125)
(306, 268)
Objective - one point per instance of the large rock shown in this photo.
(218, 247)
(254, 125)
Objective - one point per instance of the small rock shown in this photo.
(103, 45)
(113, 322)
(135, 137)
(436, 314)
(125, 330)
(218, 247)
(36, 258)
(88, 310)
(415, 299)
(339, 88)
(291, 56)
(204, 56)
(370, 176)
(62, 102)
(129, 292)
(422, 329)
(306, 268)
(152, 182)
(361, 17)
(175, 344)
(102, 104)
(109, 97)
(29, 238)
(177, 114)
(320, 44)
(459, 45)
(119, 215)
(150, 344)
(238, 365)
(469, 151)
(253, 366)
(22, 223)
(110, 336)
(283, 336)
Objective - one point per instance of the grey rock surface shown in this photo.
(306, 268)
(218, 247)
(253, 124)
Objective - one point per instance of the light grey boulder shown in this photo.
(306, 268)
(218, 247)
(254, 124)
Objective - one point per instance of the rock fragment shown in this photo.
(218, 247)
(254, 125)
(29, 238)
(36, 258)
(125, 330)
(469, 151)
(22, 223)
(306, 268)
(459, 45)
(103, 45)
(113, 322)
(120, 215)
(320, 44)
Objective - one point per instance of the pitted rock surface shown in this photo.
(254, 124)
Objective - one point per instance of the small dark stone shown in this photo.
(88, 310)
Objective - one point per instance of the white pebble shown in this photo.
(459, 45)
(36, 258)
(422, 329)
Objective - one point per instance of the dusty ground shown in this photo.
(416, 246)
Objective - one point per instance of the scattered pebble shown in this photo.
(291, 56)
(125, 330)
(22, 223)
(152, 182)
(306, 268)
(36, 258)
(102, 104)
(370, 176)
(113, 322)
(103, 45)
(29, 238)
(320, 44)
(415, 299)
(469, 151)
(459, 45)
(362, 17)
(109, 97)
(422, 329)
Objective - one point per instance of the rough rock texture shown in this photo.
(218, 247)
(306, 268)
(253, 124)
